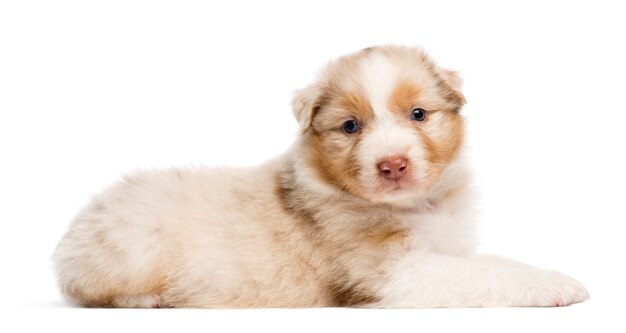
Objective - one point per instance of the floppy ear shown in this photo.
(303, 104)
(451, 84)
(453, 78)
(454, 83)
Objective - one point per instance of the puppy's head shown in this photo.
(382, 124)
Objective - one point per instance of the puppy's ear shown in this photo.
(454, 84)
(453, 78)
(303, 104)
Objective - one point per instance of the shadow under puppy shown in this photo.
(371, 207)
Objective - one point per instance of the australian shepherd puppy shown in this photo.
(371, 208)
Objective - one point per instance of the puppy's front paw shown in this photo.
(555, 289)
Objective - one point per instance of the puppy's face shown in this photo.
(381, 124)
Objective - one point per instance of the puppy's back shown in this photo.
(205, 237)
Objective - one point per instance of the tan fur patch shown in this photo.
(387, 236)
(446, 82)
(291, 202)
(332, 149)
(351, 294)
(442, 143)
(356, 105)
(404, 98)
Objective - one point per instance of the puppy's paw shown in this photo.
(567, 290)
(550, 289)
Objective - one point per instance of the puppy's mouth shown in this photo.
(396, 185)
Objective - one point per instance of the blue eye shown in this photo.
(418, 114)
(351, 126)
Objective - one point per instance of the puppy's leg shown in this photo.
(448, 281)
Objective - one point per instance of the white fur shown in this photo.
(379, 77)
(427, 280)
(388, 137)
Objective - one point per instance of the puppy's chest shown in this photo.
(382, 234)
(362, 231)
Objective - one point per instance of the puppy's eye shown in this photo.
(351, 126)
(418, 114)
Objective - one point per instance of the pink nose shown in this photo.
(393, 167)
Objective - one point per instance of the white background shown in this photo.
(90, 90)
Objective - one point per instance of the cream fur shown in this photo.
(291, 233)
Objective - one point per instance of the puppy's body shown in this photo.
(380, 216)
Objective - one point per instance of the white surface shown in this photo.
(91, 90)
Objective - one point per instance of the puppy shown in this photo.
(371, 208)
